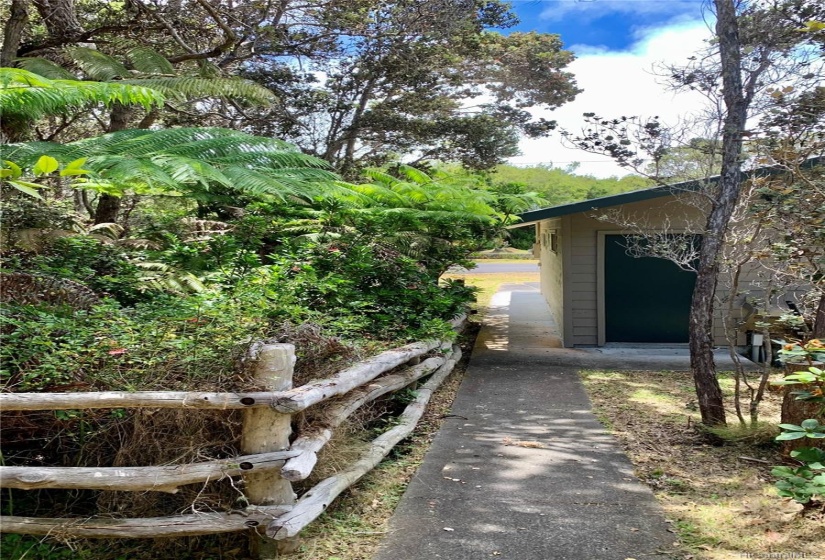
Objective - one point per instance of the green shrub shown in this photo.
(805, 482)
(366, 288)
(103, 267)
(170, 342)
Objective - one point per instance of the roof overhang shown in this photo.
(536, 216)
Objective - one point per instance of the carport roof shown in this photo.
(535, 216)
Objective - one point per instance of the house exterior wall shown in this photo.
(551, 257)
(578, 269)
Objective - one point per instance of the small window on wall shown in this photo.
(554, 242)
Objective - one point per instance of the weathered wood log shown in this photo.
(346, 380)
(137, 399)
(459, 323)
(314, 502)
(133, 479)
(308, 446)
(144, 528)
(267, 431)
(284, 401)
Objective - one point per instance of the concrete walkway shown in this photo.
(522, 469)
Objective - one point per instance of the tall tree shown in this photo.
(428, 79)
(758, 46)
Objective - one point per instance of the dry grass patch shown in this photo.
(717, 490)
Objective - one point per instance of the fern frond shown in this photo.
(380, 195)
(203, 143)
(194, 160)
(45, 68)
(347, 193)
(189, 171)
(27, 95)
(96, 65)
(138, 174)
(263, 156)
(109, 230)
(188, 87)
(381, 177)
(163, 277)
(149, 61)
(258, 183)
(415, 175)
(414, 193)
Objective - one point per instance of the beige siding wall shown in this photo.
(570, 277)
(552, 268)
(582, 294)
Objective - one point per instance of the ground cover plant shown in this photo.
(716, 488)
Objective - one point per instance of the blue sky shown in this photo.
(620, 47)
(609, 24)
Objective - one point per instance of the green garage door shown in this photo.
(646, 299)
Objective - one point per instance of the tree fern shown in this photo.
(189, 160)
(45, 68)
(413, 174)
(150, 70)
(193, 87)
(24, 94)
(96, 65)
(148, 61)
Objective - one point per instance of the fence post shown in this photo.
(265, 430)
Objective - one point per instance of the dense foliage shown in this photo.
(560, 186)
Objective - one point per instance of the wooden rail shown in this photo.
(269, 462)
(139, 479)
(287, 402)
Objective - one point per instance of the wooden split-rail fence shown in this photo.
(270, 462)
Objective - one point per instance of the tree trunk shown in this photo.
(60, 19)
(708, 392)
(108, 206)
(13, 31)
(819, 319)
(355, 127)
(107, 209)
(14, 129)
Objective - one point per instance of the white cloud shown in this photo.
(620, 83)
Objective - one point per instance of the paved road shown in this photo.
(503, 268)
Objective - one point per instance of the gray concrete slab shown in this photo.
(522, 469)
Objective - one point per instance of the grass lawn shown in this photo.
(718, 497)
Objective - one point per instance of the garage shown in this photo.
(646, 299)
